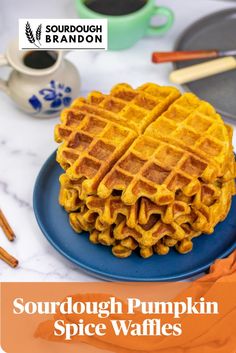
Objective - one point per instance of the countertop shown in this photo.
(25, 142)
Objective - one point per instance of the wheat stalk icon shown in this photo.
(30, 35)
(38, 33)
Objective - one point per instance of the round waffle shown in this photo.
(144, 168)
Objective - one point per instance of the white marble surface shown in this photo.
(25, 142)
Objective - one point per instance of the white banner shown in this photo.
(81, 34)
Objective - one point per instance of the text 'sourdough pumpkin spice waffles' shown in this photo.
(145, 168)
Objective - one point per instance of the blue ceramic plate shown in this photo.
(98, 259)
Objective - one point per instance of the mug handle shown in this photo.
(3, 83)
(163, 11)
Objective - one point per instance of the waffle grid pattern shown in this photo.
(144, 168)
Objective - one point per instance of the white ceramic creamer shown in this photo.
(41, 92)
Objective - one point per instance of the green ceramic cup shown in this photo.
(126, 30)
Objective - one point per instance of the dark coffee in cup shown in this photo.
(115, 7)
(128, 20)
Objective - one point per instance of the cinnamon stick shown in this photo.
(6, 227)
(9, 259)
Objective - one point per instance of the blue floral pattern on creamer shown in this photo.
(57, 93)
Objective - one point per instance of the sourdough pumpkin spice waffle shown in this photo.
(144, 168)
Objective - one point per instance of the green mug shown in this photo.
(125, 30)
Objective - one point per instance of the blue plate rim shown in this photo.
(101, 274)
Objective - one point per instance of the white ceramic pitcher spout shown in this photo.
(39, 92)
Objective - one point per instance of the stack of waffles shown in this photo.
(145, 168)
